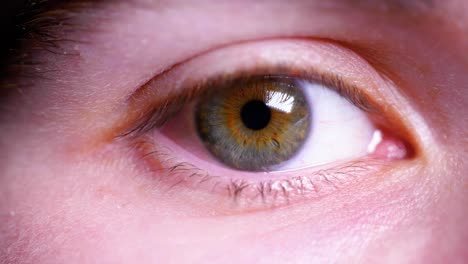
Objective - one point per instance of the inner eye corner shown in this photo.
(398, 134)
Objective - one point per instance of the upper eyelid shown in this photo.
(159, 113)
(152, 87)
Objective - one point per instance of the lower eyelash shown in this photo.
(245, 195)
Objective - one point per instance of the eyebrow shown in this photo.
(44, 25)
(39, 15)
(37, 21)
(41, 6)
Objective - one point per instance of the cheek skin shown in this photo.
(65, 213)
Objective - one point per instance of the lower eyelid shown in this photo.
(231, 195)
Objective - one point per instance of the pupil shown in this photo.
(255, 114)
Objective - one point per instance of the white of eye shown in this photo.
(339, 129)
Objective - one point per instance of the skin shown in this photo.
(71, 192)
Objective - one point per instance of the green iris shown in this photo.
(254, 124)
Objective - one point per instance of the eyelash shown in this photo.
(156, 116)
(264, 193)
(250, 196)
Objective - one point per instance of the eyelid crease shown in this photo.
(159, 113)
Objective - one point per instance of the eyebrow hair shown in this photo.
(31, 25)
(36, 7)
(44, 24)
(36, 17)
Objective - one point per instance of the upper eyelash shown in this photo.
(159, 114)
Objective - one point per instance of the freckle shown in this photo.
(143, 191)
(154, 163)
(434, 93)
(103, 192)
(448, 188)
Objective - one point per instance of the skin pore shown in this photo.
(72, 190)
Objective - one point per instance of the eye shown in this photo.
(264, 131)
(276, 123)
